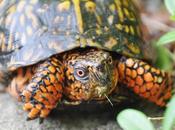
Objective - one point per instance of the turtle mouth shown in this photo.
(102, 82)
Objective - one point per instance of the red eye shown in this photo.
(80, 73)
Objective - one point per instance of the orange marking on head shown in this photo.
(54, 63)
(47, 82)
(52, 69)
(43, 88)
(140, 70)
(130, 62)
(52, 78)
(139, 81)
(52, 89)
(58, 87)
(148, 77)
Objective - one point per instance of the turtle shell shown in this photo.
(33, 30)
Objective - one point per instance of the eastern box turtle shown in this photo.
(75, 50)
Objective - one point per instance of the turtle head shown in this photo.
(90, 75)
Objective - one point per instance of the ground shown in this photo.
(13, 117)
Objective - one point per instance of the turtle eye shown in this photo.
(81, 73)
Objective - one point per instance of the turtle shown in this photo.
(76, 51)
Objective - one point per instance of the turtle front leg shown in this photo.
(145, 80)
(44, 90)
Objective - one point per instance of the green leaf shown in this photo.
(170, 5)
(167, 38)
(172, 17)
(169, 117)
(164, 58)
(131, 119)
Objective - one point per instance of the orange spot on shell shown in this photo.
(148, 77)
(139, 81)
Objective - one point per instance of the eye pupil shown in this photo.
(80, 72)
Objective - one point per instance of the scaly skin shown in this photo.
(87, 75)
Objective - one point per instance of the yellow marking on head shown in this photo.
(22, 20)
(78, 14)
(29, 30)
(63, 6)
(20, 6)
(33, 2)
(11, 9)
